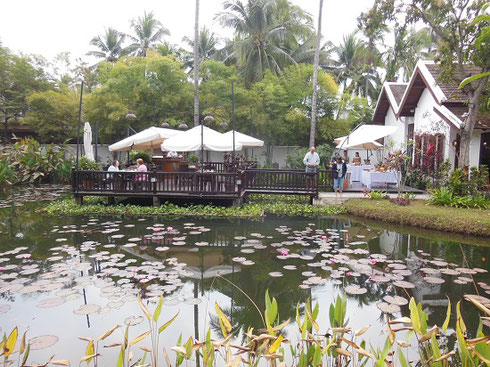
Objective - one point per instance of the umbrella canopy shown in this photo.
(146, 139)
(190, 140)
(369, 145)
(364, 134)
(87, 142)
(247, 141)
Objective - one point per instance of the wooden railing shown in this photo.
(155, 183)
(325, 180)
(287, 181)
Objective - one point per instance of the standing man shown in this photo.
(311, 161)
(346, 156)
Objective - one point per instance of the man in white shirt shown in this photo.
(311, 161)
(114, 167)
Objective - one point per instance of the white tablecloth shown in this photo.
(356, 171)
(370, 178)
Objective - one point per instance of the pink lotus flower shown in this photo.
(2, 268)
(284, 252)
(26, 256)
(156, 229)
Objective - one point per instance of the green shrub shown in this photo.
(85, 164)
(143, 154)
(445, 197)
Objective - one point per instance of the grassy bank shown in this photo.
(420, 214)
(256, 208)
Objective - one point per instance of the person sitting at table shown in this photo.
(339, 171)
(141, 168)
(172, 154)
(114, 167)
(357, 159)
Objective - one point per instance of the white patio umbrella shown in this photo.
(147, 139)
(369, 145)
(247, 141)
(364, 134)
(87, 142)
(190, 140)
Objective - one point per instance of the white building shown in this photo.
(428, 106)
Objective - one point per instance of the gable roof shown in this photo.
(391, 95)
(450, 89)
(451, 102)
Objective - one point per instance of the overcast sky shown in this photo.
(47, 27)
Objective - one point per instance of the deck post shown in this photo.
(79, 199)
(156, 201)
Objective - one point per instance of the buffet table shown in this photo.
(368, 178)
(356, 171)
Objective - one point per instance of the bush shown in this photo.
(143, 154)
(85, 164)
(400, 201)
(445, 197)
(375, 195)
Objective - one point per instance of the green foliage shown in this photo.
(192, 158)
(85, 164)
(143, 154)
(53, 114)
(27, 162)
(18, 78)
(252, 210)
(464, 190)
(375, 195)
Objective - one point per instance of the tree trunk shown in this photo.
(315, 77)
(196, 66)
(469, 125)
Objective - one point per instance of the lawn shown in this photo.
(421, 214)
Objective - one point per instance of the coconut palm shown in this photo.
(148, 33)
(315, 77)
(207, 46)
(356, 66)
(266, 32)
(410, 46)
(110, 45)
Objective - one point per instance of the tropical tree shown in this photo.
(110, 45)
(154, 87)
(355, 66)
(266, 32)
(410, 46)
(315, 77)
(148, 33)
(456, 25)
(53, 114)
(208, 42)
(18, 79)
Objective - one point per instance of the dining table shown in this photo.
(356, 171)
(370, 178)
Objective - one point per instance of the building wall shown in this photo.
(475, 148)
(398, 139)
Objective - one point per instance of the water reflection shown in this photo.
(102, 263)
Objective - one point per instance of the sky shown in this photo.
(48, 27)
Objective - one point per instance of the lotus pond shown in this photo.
(65, 277)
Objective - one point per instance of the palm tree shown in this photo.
(197, 61)
(207, 46)
(356, 66)
(265, 33)
(315, 77)
(410, 46)
(148, 33)
(109, 45)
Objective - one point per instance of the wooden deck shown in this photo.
(198, 185)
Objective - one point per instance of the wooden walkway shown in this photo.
(198, 185)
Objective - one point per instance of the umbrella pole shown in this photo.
(79, 123)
